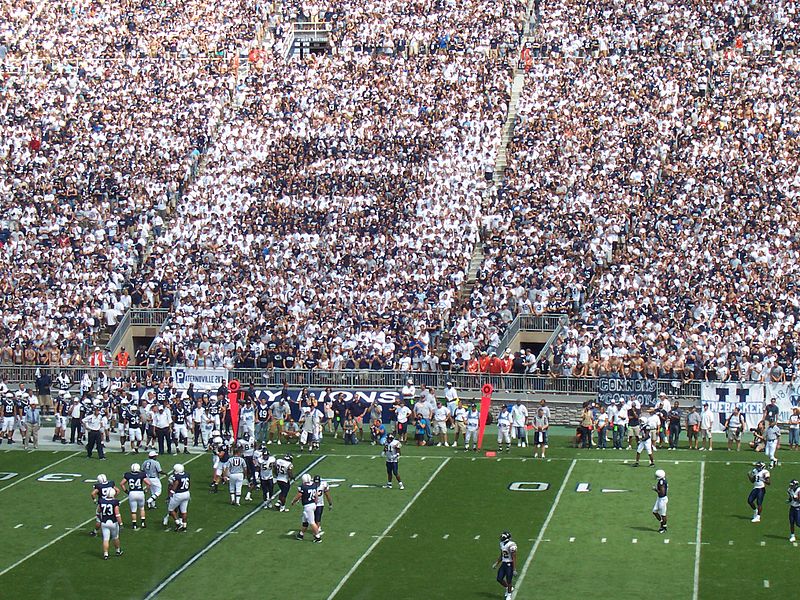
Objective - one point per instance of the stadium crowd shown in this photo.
(649, 191)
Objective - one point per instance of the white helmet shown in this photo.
(135, 468)
(178, 468)
(660, 474)
(306, 479)
(102, 479)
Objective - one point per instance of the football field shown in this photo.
(581, 518)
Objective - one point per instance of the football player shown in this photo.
(507, 561)
(134, 424)
(307, 494)
(772, 435)
(266, 475)
(9, 417)
(235, 473)
(134, 483)
(504, 429)
(103, 488)
(759, 477)
(221, 450)
(473, 421)
(180, 430)
(794, 507)
(179, 497)
(660, 507)
(283, 475)
(323, 493)
(153, 471)
(110, 520)
(391, 451)
(247, 447)
(645, 442)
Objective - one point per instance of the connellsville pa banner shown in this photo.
(722, 398)
(612, 389)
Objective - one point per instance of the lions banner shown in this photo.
(613, 389)
(722, 398)
(385, 398)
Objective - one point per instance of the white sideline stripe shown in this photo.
(698, 539)
(50, 466)
(198, 555)
(538, 541)
(66, 533)
(391, 525)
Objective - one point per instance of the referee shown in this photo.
(96, 426)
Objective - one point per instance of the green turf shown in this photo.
(431, 549)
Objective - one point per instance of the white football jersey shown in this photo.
(266, 465)
(321, 489)
(282, 468)
(507, 550)
(760, 478)
(392, 451)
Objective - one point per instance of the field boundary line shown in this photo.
(391, 525)
(539, 538)
(696, 582)
(672, 459)
(50, 466)
(203, 551)
(66, 533)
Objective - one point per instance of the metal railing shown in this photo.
(120, 331)
(150, 317)
(305, 27)
(531, 322)
(355, 379)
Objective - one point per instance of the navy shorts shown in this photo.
(391, 469)
(756, 496)
(318, 514)
(794, 515)
(505, 573)
(401, 428)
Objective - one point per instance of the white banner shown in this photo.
(786, 397)
(722, 398)
(203, 379)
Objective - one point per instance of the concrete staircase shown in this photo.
(501, 160)
(472, 273)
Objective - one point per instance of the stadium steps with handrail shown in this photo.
(517, 86)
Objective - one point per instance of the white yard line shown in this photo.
(203, 551)
(66, 533)
(538, 541)
(391, 525)
(50, 466)
(698, 539)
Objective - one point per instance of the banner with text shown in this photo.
(786, 396)
(722, 398)
(612, 389)
(203, 379)
(359, 401)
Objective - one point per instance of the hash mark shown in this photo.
(198, 530)
(572, 539)
(600, 461)
(666, 541)
(259, 532)
(348, 456)
(47, 526)
(477, 537)
(728, 463)
(352, 533)
(603, 540)
(763, 543)
(766, 583)
(474, 459)
(634, 541)
(730, 542)
(413, 537)
(423, 458)
(445, 536)
(18, 526)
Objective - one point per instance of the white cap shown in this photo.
(152, 454)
